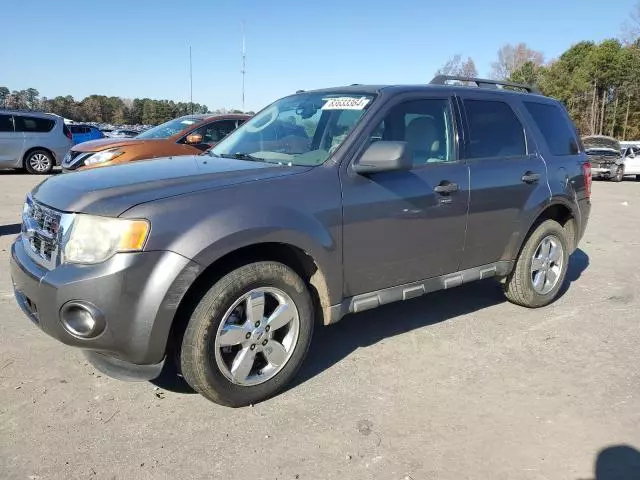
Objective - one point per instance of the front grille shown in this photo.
(42, 229)
(73, 159)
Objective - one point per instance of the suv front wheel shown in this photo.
(248, 335)
(541, 267)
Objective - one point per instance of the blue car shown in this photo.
(84, 133)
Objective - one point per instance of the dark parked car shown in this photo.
(325, 203)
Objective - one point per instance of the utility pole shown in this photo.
(626, 118)
(190, 82)
(244, 64)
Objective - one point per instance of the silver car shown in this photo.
(32, 140)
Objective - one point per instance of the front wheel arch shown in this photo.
(292, 256)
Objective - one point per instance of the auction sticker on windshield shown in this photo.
(346, 103)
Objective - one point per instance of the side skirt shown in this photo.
(367, 301)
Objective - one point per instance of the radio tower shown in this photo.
(244, 64)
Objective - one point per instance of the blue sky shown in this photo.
(140, 48)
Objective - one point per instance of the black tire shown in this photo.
(518, 287)
(197, 358)
(33, 162)
(619, 174)
(637, 178)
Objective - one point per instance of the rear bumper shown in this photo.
(136, 295)
(584, 207)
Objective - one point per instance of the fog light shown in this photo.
(82, 319)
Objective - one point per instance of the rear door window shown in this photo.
(6, 123)
(33, 124)
(555, 127)
(494, 130)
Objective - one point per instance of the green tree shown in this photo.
(4, 93)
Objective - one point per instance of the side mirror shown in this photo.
(384, 156)
(194, 139)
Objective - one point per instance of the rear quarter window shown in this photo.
(33, 124)
(556, 128)
(6, 124)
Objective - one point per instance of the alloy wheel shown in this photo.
(257, 336)
(547, 264)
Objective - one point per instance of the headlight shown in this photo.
(95, 239)
(103, 156)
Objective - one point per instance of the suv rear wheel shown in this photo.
(39, 162)
(248, 335)
(541, 267)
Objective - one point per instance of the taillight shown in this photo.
(67, 132)
(586, 171)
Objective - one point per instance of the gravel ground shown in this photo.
(456, 385)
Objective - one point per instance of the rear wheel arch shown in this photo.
(33, 149)
(562, 213)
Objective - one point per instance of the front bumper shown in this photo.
(604, 171)
(137, 293)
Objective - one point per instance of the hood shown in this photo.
(112, 142)
(113, 190)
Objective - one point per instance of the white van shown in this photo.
(32, 140)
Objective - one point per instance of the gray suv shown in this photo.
(325, 203)
(32, 140)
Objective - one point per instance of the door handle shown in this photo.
(530, 177)
(446, 187)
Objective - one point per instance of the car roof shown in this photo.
(209, 116)
(359, 89)
(29, 112)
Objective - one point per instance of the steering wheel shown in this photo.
(271, 115)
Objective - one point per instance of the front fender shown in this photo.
(206, 226)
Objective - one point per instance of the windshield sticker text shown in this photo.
(346, 103)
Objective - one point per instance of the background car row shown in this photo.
(39, 141)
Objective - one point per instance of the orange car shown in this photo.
(188, 135)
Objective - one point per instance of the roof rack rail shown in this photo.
(483, 82)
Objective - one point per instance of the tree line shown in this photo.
(103, 109)
(599, 83)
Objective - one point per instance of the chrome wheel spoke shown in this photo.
(552, 277)
(281, 316)
(233, 335)
(255, 307)
(545, 248)
(275, 353)
(555, 254)
(242, 364)
(539, 280)
(537, 264)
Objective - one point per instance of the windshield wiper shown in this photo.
(241, 156)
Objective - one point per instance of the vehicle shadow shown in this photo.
(618, 462)
(335, 342)
(10, 229)
(332, 344)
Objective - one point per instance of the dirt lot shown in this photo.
(457, 385)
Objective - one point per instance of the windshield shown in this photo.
(303, 129)
(167, 129)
